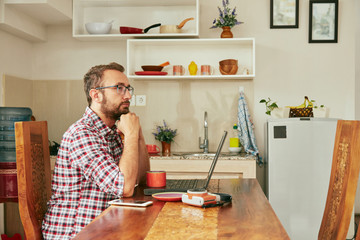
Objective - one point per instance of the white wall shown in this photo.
(357, 58)
(15, 58)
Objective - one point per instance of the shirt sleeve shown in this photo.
(90, 153)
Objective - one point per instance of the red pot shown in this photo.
(132, 30)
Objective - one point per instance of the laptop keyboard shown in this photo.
(182, 184)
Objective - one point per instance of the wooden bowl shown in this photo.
(155, 68)
(228, 62)
(228, 66)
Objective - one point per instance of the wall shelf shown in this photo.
(28, 19)
(134, 13)
(182, 51)
(189, 77)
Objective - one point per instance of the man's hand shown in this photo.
(129, 124)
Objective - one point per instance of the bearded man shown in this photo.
(94, 164)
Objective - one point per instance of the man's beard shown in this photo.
(112, 111)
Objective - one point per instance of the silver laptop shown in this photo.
(182, 185)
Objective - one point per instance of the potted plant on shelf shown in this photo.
(226, 20)
(165, 135)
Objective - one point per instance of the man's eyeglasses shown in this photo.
(120, 89)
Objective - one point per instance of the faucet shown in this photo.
(205, 144)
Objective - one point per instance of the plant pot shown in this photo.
(322, 112)
(282, 112)
(166, 148)
(226, 33)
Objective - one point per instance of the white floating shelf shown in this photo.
(114, 37)
(134, 13)
(190, 77)
(206, 51)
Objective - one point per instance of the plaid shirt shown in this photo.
(86, 177)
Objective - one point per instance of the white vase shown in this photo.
(281, 112)
(322, 112)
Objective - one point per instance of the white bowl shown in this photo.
(98, 27)
(235, 149)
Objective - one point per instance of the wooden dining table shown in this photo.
(248, 216)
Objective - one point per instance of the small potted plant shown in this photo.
(273, 110)
(226, 20)
(320, 111)
(165, 135)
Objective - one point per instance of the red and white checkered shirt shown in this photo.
(86, 177)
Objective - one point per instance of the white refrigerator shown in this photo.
(298, 164)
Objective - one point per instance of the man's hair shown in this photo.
(93, 78)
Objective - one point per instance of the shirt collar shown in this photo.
(99, 123)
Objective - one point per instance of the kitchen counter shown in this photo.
(185, 155)
(229, 165)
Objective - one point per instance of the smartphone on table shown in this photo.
(131, 202)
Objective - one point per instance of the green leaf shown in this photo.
(269, 105)
(273, 105)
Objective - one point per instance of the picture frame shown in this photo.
(323, 21)
(284, 13)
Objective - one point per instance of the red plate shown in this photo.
(153, 152)
(150, 73)
(168, 196)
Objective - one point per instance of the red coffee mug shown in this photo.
(156, 178)
(206, 70)
(178, 70)
(152, 148)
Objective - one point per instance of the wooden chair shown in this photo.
(16, 236)
(33, 175)
(343, 182)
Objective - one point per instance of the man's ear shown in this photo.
(96, 95)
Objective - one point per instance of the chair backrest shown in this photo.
(343, 181)
(33, 174)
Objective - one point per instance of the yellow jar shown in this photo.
(193, 68)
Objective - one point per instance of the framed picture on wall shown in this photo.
(284, 13)
(323, 21)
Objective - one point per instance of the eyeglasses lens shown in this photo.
(122, 90)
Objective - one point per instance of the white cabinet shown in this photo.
(183, 51)
(28, 19)
(227, 167)
(134, 13)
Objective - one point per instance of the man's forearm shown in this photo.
(144, 162)
(129, 164)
